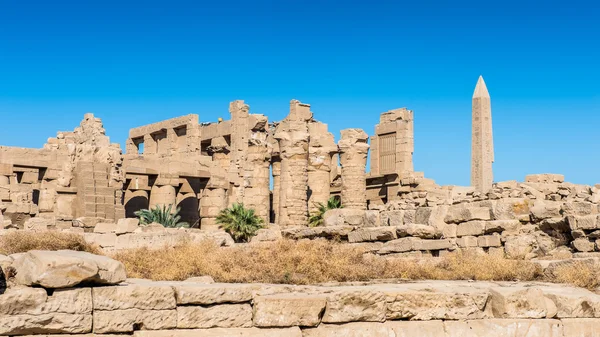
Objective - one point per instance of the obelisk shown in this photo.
(482, 144)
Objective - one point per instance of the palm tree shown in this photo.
(240, 222)
(316, 219)
(161, 214)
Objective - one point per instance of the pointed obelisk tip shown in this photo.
(481, 89)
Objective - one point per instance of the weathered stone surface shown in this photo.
(519, 302)
(61, 269)
(428, 305)
(573, 302)
(138, 296)
(499, 226)
(504, 328)
(286, 310)
(586, 222)
(398, 246)
(298, 233)
(45, 323)
(387, 329)
(418, 230)
(544, 209)
(216, 316)
(207, 294)
(127, 225)
(583, 245)
(128, 320)
(581, 327)
(105, 227)
(489, 241)
(519, 246)
(432, 244)
(471, 228)
(355, 305)
(267, 234)
(201, 279)
(369, 234)
(223, 332)
(464, 213)
(35, 301)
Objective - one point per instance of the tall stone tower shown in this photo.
(482, 144)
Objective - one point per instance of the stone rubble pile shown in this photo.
(77, 293)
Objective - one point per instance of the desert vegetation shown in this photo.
(163, 215)
(23, 241)
(240, 222)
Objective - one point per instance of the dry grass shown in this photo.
(23, 241)
(309, 262)
(580, 274)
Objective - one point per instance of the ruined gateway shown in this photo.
(81, 182)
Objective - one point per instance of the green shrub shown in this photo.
(240, 222)
(161, 214)
(316, 219)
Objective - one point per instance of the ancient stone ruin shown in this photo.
(80, 182)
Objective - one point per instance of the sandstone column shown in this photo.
(276, 172)
(320, 148)
(353, 156)
(293, 137)
(163, 195)
(482, 146)
(212, 201)
(256, 168)
(239, 148)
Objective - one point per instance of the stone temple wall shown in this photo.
(98, 300)
(77, 175)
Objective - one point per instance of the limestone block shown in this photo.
(398, 246)
(222, 332)
(579, 208)
(467, 241)
(45, 324)
(499, 226)
(387, 329)
(64, 268)
(272, 233)
(127, 225)
(581, 327)
(471, 228)
(35, 301)
(368, 234)
(424, 305)
(38, 224)
(372, 218)
(208, 294)
(544, 209)
(344, 216)
(433, 216)
(105, 227)
(489, 241)
(520, 302)
(102, 240)
(392, 218)
(587, 222)
(117, 321)
(134, 296)
(583, 245)
(285, 310)
(520, 246)
(355, 305)
(298, 233)
(216, 316)
(432, 244)
(573, 302)
(505, 328)
(418, 230)
(463, 213)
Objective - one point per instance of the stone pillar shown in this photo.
(320, 148)
(212, 201)
(256, 168)
(482, 146)
(276, 171)
(239, 148)
(293, 140)
(163, 195)
(219, 150)
(353, 156)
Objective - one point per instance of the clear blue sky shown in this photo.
(137, 62)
